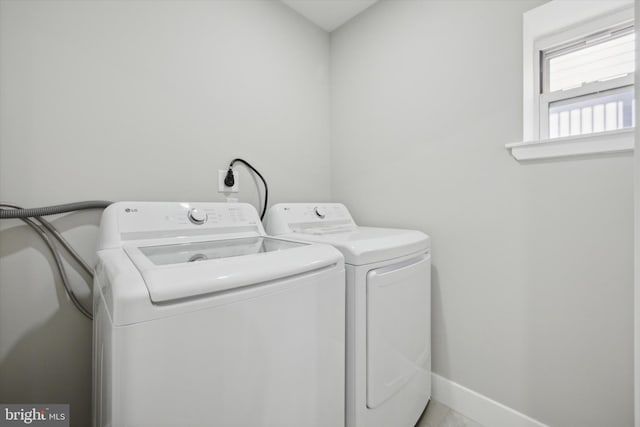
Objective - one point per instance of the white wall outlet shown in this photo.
(223, 188)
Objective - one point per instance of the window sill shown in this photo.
(614, 141)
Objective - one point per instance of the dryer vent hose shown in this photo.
(52, 210)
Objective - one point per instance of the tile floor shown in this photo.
(439, 415)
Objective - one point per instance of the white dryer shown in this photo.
(388, 275)
(201, 320)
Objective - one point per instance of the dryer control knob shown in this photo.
(320, 212)
(197, 216)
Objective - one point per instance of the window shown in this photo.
(587, 85)
(578, 74)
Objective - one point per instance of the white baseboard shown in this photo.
(477, 407)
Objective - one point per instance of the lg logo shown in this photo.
(129, 210)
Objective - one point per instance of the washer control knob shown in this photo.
(197, 216)
(320, 212)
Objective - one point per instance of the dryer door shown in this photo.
(398, 327)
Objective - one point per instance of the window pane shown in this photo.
(595, 113)
(596, 62)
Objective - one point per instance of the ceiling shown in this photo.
(329, 14)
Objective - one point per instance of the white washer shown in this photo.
(388, 275)
(201, 320)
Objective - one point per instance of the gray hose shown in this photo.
(16, 212)
(56, 256)
(46, 224)
(52, 210)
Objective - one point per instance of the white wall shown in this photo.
(146, 100)
(533, 269)
(138, 101)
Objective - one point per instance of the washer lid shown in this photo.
(366, 245)
(184, 270)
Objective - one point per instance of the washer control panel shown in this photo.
(140, 221)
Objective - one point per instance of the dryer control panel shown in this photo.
(310, 218)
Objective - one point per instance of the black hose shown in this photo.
(52, 210)
(264, 182)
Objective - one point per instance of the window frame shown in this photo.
(553, 24)
(619, 21)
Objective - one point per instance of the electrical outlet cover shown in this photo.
(223, 188)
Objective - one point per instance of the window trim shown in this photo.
(612, 141)
(553, 24)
